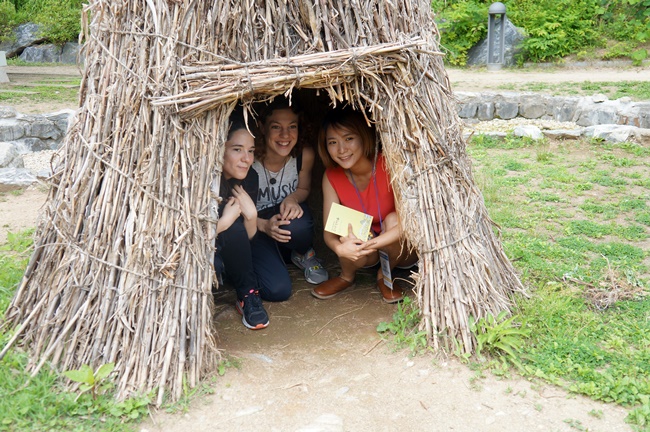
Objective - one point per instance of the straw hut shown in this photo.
(121, 270)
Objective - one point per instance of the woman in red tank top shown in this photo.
(356, 177)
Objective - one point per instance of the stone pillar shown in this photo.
(3, 72)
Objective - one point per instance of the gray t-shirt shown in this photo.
(276, 186)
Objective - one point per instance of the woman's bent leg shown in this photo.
(301, 247)
(234, 257)
(302, 232)
(272, 274)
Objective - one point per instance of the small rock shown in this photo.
(262, 357)
(563, 133)
(8, 155)
(7, 112)
(528, 131)
(599, 98)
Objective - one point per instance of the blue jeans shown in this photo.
(269, 255)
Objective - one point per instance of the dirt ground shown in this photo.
(321, 366)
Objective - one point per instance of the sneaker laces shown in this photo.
(254, 300)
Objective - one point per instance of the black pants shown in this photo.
(234, 258)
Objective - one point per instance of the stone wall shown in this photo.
(28, 45)
(584, 111)
(22, 135)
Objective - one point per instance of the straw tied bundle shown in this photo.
(121, 270)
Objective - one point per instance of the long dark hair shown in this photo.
(236, 122)
(278, 103)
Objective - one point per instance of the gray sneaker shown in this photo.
(315, 273)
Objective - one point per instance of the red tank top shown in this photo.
(348, 196)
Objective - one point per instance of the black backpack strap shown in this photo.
(299, 162)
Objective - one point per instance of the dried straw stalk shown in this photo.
(121, 271)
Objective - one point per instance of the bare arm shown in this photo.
(290, 206)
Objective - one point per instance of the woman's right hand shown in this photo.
(273, 229)
(231, 212)
(352, 248)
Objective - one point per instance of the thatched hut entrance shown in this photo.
(121, 268)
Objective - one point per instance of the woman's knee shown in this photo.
(391, 220)
(276, 292)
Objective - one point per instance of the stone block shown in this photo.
(610, 132)
(16, 177)
(467, 110)
(8, 154)
(47, 53)
(61, 119)
(485, 111)
(11, 130)
(597, 115)
(8, 112)
(563, 133)
(23, 36)
(71, 53)
(506, 110)
(532, 106)
(35, 144)
(40, 127)
(4, 78)
(563, 109)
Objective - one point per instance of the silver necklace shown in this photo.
(273, 180)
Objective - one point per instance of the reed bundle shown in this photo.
(121, 270)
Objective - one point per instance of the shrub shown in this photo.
(462, 25)
(555, 28)
(61, 19)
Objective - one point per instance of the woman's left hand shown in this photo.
(248, 209)
(290, 209)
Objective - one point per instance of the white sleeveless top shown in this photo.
(275, 186)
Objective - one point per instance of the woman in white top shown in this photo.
(285, 223)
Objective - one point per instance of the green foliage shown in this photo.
(93, 382)
(64, 90)
(500, 336)
(554, 28)
(570, 251)
(61, 19)
(603, 355)
(462, 25)
(13, 260)
(40, 403)
(404, 327)
(9, 18)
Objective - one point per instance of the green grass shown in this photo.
(41, 403)
(577, 233)
(636, 90)
(61, 91)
